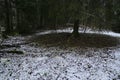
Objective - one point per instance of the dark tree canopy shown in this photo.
(24, 16)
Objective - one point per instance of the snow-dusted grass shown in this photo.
(54, 64)
(70, 30)
(39, 63)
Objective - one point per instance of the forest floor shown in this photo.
(55, 63)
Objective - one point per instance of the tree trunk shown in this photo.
(76, 28)
(7, 20)
(9, 16)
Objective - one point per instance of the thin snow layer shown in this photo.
(39, 63)
(13, 40)
(112, 34)
(56, 64)
(69, 30)
(81, 30)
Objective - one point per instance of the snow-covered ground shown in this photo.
(70, 30)
(39, 63)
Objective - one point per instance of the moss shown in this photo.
(83, 40)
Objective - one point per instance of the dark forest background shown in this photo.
(26, 16)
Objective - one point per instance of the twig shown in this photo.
(58, 76)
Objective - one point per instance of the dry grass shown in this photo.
(83, 40)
